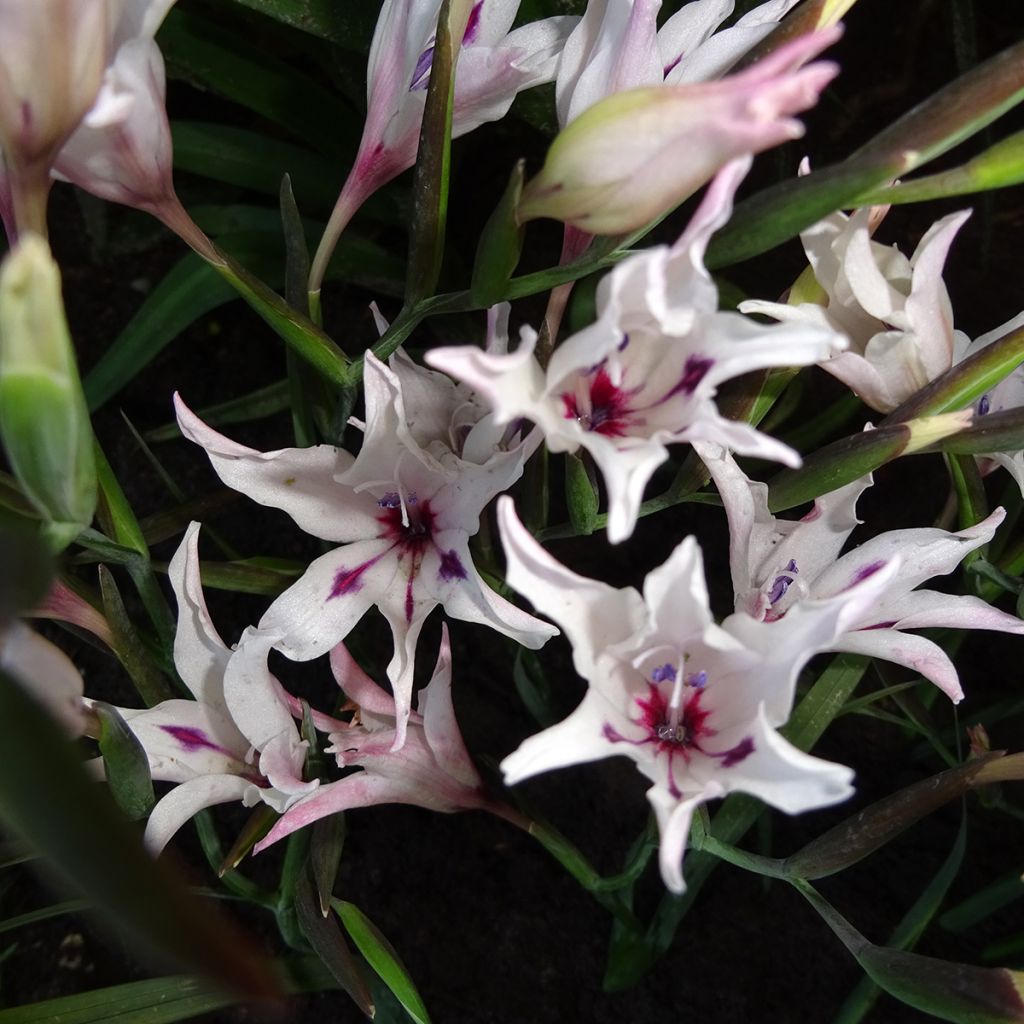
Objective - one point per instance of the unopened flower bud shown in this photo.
(52, 57)
(44, 422)
(637, 154)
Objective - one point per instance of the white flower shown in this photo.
(777, 564)
(617, 46)
(403, 512)
(432, 769)
(645, 374)
(1007, 394)
(236, 740)
(896, 312)
(74, 69)
(494, 65)
(695, 705)
(46, 673)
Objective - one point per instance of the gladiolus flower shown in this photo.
(694, 704)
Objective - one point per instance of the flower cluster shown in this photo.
(404, 500)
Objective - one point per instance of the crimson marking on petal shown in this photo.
(451, 566)
(349, 581)
(473, 24)
(605, 409)
(410, 604)
(192, 739)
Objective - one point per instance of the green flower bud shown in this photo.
(44, 422)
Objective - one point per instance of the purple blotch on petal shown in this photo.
(473, 24)
(191, 739)
(782, 583)
(451, 566)
(865, 571)
(421, 73)
(742, 750)
(694, 372)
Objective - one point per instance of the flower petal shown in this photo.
(300, 481)
(200, 656)
(187, 800)
(319, 609)
(915, 652)
(442, 730)
(592, 614)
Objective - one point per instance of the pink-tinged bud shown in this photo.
(52, 57)
(638, 154)
(125, 157)
(122, 151)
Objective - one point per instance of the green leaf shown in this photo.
(252, 406)
(1000, 166)
(249, 577)
(501, 243)
(984, 903)
(125, 763)
(10, 924)
(28, 571)
(869, 830)
(954, 992)
(381, 956)
(189, 290)
(325, 937)
(248, 159)
(115, 512)
(966, 382)
(433, 158)
(46, 798)
(534, 688)
(325, 851)
(119, 520)
(581, 494)
(349, 24)
(308, 340)
(159, 1001)
(950, 116)
(909, 930)
(849, 458)
(199, 50)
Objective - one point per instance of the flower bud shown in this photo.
(637, 154)
(44, 422)
(52, 57)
